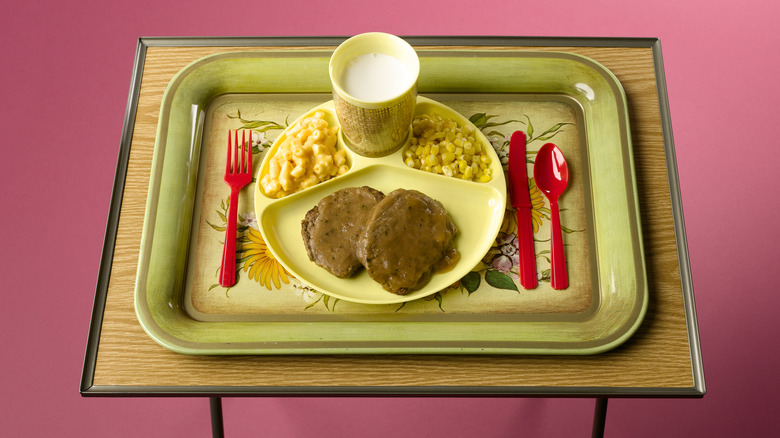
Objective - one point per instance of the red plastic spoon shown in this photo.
(552, 175)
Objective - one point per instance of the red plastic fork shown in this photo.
(237, 177)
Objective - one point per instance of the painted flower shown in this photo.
(507, 244)
(499, 144)
(507, 258)
(260, 141)
(537, 204)
(308, 294)
(502, 263)
(509, 224)
(248, 219)
(260, 264)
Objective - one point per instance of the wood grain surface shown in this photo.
(657, 356)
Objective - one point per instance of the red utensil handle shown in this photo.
(559, 279)
(526, 251)
(227, 275)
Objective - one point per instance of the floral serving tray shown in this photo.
(551, 96)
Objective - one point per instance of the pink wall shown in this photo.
(65, 77)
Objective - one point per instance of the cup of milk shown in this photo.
(374, 78)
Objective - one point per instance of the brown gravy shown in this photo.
(332, 228)
(407, 237)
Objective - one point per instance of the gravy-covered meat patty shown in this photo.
(406, 237)
(332, 228)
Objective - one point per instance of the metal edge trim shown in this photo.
(393, 391)
(511, 41)
(115, 205)
(679, 223)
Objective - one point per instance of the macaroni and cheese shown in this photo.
(306, 156)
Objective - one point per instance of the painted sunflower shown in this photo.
(537, 204)
(538, 211)
(260, 264)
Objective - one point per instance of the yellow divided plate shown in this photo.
(477, 209)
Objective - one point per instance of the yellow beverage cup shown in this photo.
(374, 79)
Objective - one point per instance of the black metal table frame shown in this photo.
(218, 430)
(215, 394)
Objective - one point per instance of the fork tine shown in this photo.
(235, 155)
(229, 159)
(249, 167)
(243, 152)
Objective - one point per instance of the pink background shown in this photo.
(66, 68)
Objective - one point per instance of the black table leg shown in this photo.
(600, 417)
(217, 429)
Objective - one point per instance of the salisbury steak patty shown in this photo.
(407, 235)
(332, 228)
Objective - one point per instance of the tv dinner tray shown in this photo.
(662, 358)
(560, 97)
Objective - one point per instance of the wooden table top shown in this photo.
(661, 359)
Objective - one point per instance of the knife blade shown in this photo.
(521, 201)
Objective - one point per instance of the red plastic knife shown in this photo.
(521, 201)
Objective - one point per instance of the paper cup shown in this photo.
(374, 78)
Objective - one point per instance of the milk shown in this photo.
(375, 77)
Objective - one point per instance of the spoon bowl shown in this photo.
(551, 171)
(551, 174)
